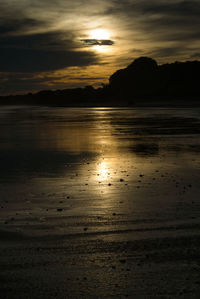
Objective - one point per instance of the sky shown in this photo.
(57, 44)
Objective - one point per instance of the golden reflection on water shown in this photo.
(103, 170)
(69, 139)
(93, 135)
(96, 167)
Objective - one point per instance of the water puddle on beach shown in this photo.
(102, 171)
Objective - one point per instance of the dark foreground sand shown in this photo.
(95, 266)
(100, 203)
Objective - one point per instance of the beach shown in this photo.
(99, 202)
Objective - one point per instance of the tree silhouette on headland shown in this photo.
(140, 82)
(138, 79)
(144, 77)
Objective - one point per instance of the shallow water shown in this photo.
(99, 203)
(102, 169)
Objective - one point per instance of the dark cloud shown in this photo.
(40, 41)
(153, 7)
(24, 60)
(9, 26)
(160, 20)
(168, 51)
(98, 42)
(175, 8)
(195, 56)
(41, 52)
(22, 50)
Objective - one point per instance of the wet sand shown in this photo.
(99, 203)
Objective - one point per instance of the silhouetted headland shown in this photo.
(142, 83)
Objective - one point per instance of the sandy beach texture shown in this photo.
(99, 203)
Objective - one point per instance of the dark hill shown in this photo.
(144, 78)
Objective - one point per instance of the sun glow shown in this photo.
(101, 49)
(99, 34)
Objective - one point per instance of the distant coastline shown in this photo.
(142, 83)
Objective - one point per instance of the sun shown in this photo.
(99, 34)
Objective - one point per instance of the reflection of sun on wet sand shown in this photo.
(102, 171)
(105, 201)
(71, 136)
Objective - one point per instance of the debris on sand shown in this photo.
(122, 261)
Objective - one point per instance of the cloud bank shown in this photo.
(42, 36)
